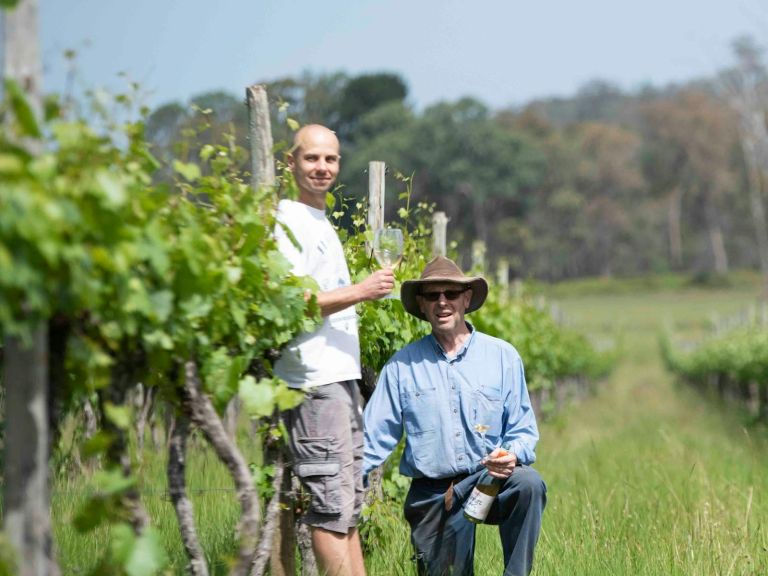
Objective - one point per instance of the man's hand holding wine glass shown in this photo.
(378, 285)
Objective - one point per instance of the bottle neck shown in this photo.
(486, 478)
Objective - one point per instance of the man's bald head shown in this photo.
(313, 134)
(314, 161)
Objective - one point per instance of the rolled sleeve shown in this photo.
(383, 422)
(521, 433)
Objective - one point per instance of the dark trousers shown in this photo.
(444, 541)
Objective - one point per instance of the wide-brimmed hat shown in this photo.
(442, 269)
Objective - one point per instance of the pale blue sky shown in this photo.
(503, 52)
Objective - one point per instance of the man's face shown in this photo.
(444, 305)
(315, 165)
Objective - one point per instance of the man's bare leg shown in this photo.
(337, 554)
(356, 553)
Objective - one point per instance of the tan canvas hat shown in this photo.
(441, 269)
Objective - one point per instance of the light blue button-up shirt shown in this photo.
(437, 401)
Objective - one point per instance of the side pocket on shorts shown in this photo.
(318, 467)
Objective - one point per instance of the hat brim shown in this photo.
(411, 288)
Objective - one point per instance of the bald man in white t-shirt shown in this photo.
(326, 429)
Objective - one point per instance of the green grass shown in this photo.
(648, 477)
(645, 478)
(209, 486)
(601, 286)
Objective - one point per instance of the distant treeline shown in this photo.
(605, 182)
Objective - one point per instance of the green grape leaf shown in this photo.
(159, 338)
(93, 513)
(190, 172)
(120, 416)
(206, 152)
(287, 398)
(97, 444)
(51, 107)
(121, 543)
(292, 124)
(258, 397)
(111, 482)
(234, 273)
(22, 110)
(70, 134)
(162, 304)
(11, 164)
(147, 555)
(112, 187)
(196, 307)
(238, 311)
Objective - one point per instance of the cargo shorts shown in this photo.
(326, 440)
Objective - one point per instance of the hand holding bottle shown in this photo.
(500, 463)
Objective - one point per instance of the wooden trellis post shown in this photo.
(502, 277)
(376, 172)
(26, 495)
(282, 556)
(260, 132)
(376, 200)
(478, 256)
(439, 230)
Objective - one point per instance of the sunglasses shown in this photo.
(449, 294)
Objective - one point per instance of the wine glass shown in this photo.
(481, 429)
(388, 248)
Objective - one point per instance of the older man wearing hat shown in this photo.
(461, 399)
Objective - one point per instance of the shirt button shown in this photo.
(455, 410)
(453, 387)
(461, 457)
(458, 434)
(417, 394)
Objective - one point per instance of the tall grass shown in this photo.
(649, 478)
(210, 488)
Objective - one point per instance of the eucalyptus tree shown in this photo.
(476, 170)
(664, 159)
(365, 93)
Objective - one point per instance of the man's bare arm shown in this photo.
(375, 286)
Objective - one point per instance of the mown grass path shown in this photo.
(648, 477)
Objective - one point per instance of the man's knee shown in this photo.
(524, 492)
(529, 484)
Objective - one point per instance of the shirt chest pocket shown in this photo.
(420, 408)
(487, 409)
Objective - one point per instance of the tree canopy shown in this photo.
(604, 182)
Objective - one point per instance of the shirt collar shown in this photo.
(460, 354)
(315, 213)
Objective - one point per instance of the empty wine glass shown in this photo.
(388, 248)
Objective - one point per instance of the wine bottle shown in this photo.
(479, 503)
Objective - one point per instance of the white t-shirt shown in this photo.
(332, 352)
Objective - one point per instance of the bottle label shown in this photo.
(478, 505)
